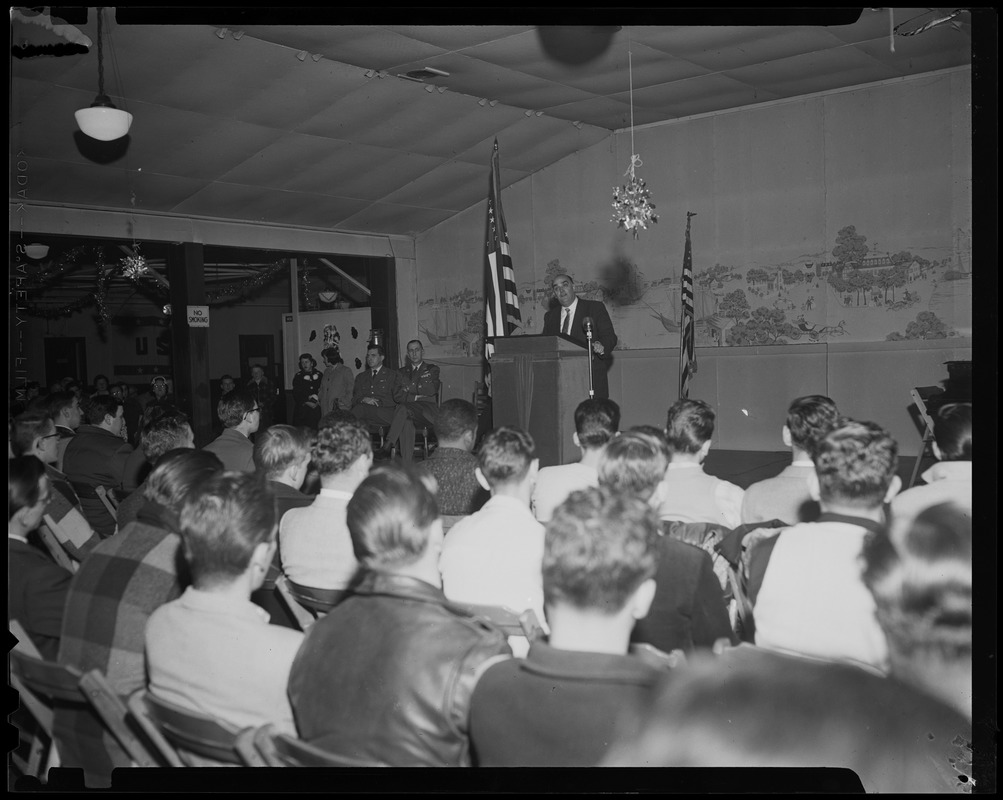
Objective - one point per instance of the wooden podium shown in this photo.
(537, 383)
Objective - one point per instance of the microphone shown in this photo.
(587, 324)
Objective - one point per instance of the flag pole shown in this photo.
(687, 330)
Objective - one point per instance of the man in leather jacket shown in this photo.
(385, 678)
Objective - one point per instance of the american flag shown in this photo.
(687, 362)
(502, 312)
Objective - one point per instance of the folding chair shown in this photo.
(184, 737)
(73, 533)
(274, 749)
(52, 545)
(521, 629)
(922, 395)
(318, 601)
(64, 685)
(303, 616)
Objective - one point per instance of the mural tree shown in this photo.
(892, 278)
(927, 325)
(735, 305)
(851, 247)
(859, 281)
(765, 326)
(757, 275)
(713, 276)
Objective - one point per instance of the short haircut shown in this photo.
(168, 431)
(506, 455)
(307, 355)
(689, 424)
(100, 377)
(336, 415)
(97, 408)
(599, 548)
(233, 406)
(596, 421)
(57, 401)
(333, 355)
(389, 516)
(228, 376)
(27, 428)
(339, 445)
(280, 447)
(952, 430)
(810, 418)
(456, 417)
(24, 478)
(177, 473)
(855, 464)
(415, 341)
(222, 520)
(378, 348)
(921, 580)
(633, 463)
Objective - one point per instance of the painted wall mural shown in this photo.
(854, 292)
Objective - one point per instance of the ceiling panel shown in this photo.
(249, 126)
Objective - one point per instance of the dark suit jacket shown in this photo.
(602, 330)
(36, 595)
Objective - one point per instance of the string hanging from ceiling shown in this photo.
(632, 206)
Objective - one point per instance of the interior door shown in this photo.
(65, 356)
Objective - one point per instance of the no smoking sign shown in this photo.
(198, 316)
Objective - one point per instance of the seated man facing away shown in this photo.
(240, 414)
(36, 587)
(920, 575)
(950, 479)
(171, 431)
(688, 610)
(118, 586)
(691, 495)
(282, 458)
(559, 706)
(34, 434)
(805, 583)
(785, 496)
(493, 557)
(315, 547)
(212, 650)
(386, 676)
(96, 456)
(452, 463)
(597, 420)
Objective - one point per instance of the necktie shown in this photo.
(374, 373)
(567, 320)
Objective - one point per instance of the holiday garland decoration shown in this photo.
(136, 269)
(632, 204)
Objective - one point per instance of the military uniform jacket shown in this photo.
(387, 387)
(423, 381)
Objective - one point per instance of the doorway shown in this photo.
(65, 356)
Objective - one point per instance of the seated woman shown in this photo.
(212, 649)
(36, 588)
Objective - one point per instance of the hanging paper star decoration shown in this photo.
(134, 266)
(632, 204)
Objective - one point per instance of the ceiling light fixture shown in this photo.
(103, 120)
(482, 102)
(36, 251)
(301, 55)
(316, 57)
(221, 33)
(492, 103)
(238, 35)
(370, 73)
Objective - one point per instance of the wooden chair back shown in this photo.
(186, 732)
(303, 616)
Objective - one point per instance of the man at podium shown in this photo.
(574, 317)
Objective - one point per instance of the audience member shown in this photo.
(785, 496)
(241, 416)
(452, 463)
(419, 406)
(138, 466)
(597, 420)
(212, 650)
(264, 393)
(400, 694)
(97, 456)
(226, 384)
(805, 583)
(337, 384)
(169, 430)
(133, 409)
(559, 706)
(64, 409)
(920, 575)
(306, 393)
(34, 434)
(282, 456)
(751, 707)
(100, 386)
(950, 479)
(493, 557)
(117, 587)
(688, 610)
(315, 547)
(691, 495)
(161, 393)
(36, 587)
(378, 389)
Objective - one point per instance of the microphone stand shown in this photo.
(588, 335)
